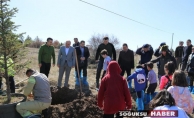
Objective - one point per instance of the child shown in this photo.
(139, 77)
(164, 101)
(152, 80)
(107, 60)
(113, 94)
(180, 92)
(169, 69)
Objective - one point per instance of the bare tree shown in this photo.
(97, 39)
(56, 44)
(36, 43)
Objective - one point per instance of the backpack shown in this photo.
(168, 84)
(141, 78)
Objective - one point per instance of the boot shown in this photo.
(34, 116)
(85, 81)
(190, 88)
(140, 105)
(76, 79)
(148, 98)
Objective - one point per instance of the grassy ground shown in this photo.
(54, 72)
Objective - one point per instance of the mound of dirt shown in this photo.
(79, 108)
(63, 95)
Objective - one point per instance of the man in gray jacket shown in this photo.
(38, 83)
(66, 61)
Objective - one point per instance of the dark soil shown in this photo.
(84, 108)
(63, 95)
(66, 104)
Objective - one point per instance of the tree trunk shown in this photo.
(7, 80)
(8, 90)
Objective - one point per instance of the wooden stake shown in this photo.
(78, 73)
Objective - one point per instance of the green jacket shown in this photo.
(45, 53)
(11, 71)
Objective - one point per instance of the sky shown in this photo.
(65, 19)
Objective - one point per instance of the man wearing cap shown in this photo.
(178, 54)
(111, 52)
(39, 85)
(146, 52)
(163, 59)
(157, 52)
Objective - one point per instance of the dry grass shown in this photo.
(54, 72)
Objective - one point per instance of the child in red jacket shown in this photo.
(113, 94)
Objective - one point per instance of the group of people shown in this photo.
(114, 91)
(173, 82)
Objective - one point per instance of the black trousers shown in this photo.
(99, 69)
(151, 89)
(125, 69)
(104, 73)
(112, 115)
(191, 77)
(138, 93)
(183, 66)
(45, 68)
(84, 68)
(12, 84)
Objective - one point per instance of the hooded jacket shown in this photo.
(162, 61)
(138, 86)
(183, 98)
(114, 94)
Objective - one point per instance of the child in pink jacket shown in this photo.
(180, 92)
(169, 69)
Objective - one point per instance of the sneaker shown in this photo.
(34, 116)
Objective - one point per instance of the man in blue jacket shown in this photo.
(139, 77)
(146, 52)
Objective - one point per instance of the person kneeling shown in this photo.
(38, 83)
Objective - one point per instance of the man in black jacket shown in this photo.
(186, 52)
(164, 58)
(178, 54)
(111, 52)
(126, 61)
(82, 58)
(76, 43)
